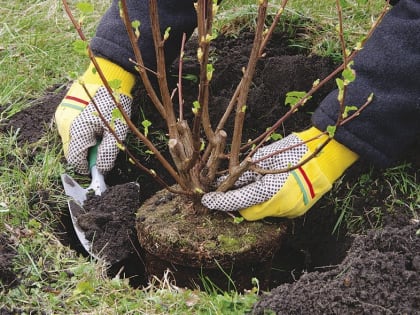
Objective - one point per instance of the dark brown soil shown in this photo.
(7, 253)
(315, 270)
(108, 222)
(380, 275)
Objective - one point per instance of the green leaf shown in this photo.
(115, 84)
(166, 34)
(275, 136)
(238, 220)
(196, 107)
(80, 47)
(136, 26)
(340, 85)
(293, 97)
(146, 124)
(331, 131)
(210, 70)
(348, 109)
(85, 7)
(349, 75)
(190, 77)
(116, 114)
(196, 104)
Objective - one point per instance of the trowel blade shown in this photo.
(75, 209)
(73, 189)
(78, 195)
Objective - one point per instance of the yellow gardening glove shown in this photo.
(80, 127)
(288, 194)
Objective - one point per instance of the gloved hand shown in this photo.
(288, 194)
(79, 125)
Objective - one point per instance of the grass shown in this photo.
(36, 53)
(366, 201)
(36, 49)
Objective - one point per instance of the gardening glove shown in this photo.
(80, 126)
(288, 194)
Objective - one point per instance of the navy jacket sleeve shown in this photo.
(389, 67)
(111, 40)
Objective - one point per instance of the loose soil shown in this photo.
(7, 253)
(315, 270)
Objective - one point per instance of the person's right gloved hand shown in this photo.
(79, 125)
(288, 194)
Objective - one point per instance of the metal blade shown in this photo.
(73, 189)
(78, 195)
(75, 209)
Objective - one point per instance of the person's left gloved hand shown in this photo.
(79, 124)
(288, 194)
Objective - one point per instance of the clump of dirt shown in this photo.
(108, 222)
(32, 122)
(380, 275)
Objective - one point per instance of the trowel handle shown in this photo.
(93, 155)
(98, 180)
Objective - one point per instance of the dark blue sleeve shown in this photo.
(389, 67)
(111, 40)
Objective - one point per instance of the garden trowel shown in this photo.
(79, 194)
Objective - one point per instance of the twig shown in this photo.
(273, 25)
(161, 70)
(139, 61)
(181, 62)
(243, 93)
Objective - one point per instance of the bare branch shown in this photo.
(273, 25)
(161, 69)
(245, 84)
(181, 62)
(139, 61)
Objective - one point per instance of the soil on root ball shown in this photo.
(206, 246)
